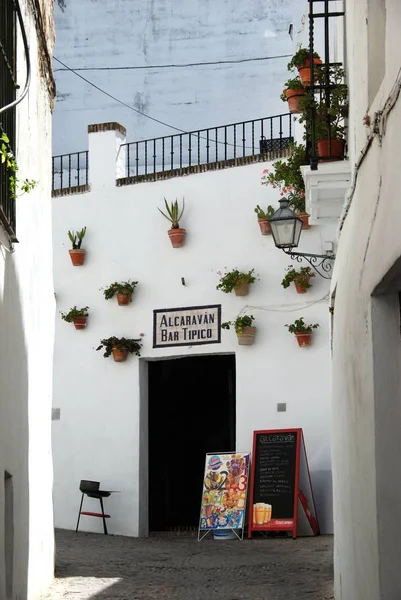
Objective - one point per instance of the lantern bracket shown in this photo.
(321, 263)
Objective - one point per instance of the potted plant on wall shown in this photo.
(174, 214)
(120, 347)
(301, 61)
(300, 278)
(123, 290)
(77, 253)
(78, 316)
(302, 331)
(236, 280)
(263, 217)
(293, 91)
(243, 328)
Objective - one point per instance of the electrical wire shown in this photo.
(28, 61)
(285, 307)
(178, 66)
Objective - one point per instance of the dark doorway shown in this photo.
(191, 412)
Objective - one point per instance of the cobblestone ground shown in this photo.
(91, 566)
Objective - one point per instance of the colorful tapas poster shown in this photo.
(225, 486)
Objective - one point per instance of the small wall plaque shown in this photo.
(188, 326)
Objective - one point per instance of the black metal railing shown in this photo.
(8, 86)
(325, 139)
(70, 170)
(269, 135)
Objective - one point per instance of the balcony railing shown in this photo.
(70, 170)
(269, 135)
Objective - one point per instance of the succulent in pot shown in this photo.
(236, 280)
(77, 253)
(123, 290)
(243, 328)
(302, 331)
(120, 347)
(173, 214)
(263, 218)
(300, 278)
(78, 316)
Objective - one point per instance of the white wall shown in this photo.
(97, 436)
(159, 32)
(366, 389)
(26, 346)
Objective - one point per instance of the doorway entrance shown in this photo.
(191, 412)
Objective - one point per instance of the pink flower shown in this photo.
(265, 171)
(141, 335)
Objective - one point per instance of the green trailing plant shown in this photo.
(76, 238)
(301, 56)
(299, 326)
(267, 214)
(174, 213)
(122, 287)
(292, 84)
(232, 279)
(133, 346)
(73, 313)
(302, 277)
(239, 324)
(8, 159)
(286, 176)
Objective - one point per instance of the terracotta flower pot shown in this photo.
(247, 336)
(242, 289)
(80, 322)
(305, 71)
(77, 257)
(177, 237)
(335, 152)
(299, 288)
(293, 97)
(264, 226)
(119, 355)
(123, 299)
(304, 339)
(305, 220)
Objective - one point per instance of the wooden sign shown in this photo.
(225, 486)
(281, 489)
(189, 326)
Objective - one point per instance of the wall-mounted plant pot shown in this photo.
(119, 355)
(177, 237)
(264, 226)
(242, 289)
(77, 257)
(327, 153)
(304, 339)
(299, 288)
(247, 336)
(123, 299)
(305, 72)
(293, 98)
(305, 220)
(80, 322)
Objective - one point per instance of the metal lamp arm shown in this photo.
(321, 263)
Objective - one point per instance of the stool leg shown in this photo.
(104, 520)
(79, 513)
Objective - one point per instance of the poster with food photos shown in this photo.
(225, 486)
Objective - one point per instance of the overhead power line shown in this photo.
(179, 66)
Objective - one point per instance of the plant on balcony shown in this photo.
(263, 217)
(77, 253)
(293, 91)
(243, 328)
(120, 347)
(286, 176)
(302, 331)
(300, 278)
(8, 159)
(301, 61)
(330, 110)
(78, 316)
(173, 214)
(237, 281)
(123, 290)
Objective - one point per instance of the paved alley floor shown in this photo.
(91, 566)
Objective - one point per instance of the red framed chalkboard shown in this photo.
(281, 495)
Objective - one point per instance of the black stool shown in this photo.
(91, 489)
